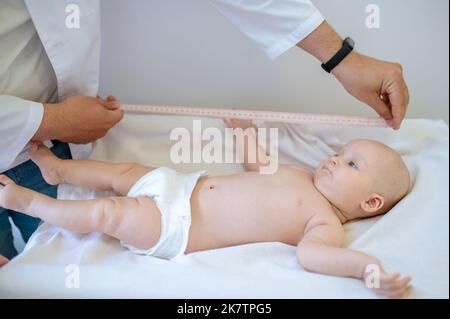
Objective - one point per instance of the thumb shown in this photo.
(114, 101)
(399, 102)
(116, 114)
(111, 98)
(109, 104)
(112, 105)
(382, 109)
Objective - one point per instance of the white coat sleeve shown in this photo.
(19, 121)
(275, 25)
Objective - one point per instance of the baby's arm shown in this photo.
(320, 251)
(247, 144)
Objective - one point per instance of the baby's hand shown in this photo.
(390, 285)
(235, 123)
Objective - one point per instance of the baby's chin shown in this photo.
(323, 191)
(317, 181)
(321, 180)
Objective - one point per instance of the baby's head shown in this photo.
(366, 178)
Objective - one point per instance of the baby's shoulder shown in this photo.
(327, 228)
(325, 217)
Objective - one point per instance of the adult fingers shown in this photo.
(382, 108)
(109, 103)
(114, 115)
(112, 99)
(398, 98)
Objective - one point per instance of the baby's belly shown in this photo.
(239, 209)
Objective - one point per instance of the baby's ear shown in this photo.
(373, 204)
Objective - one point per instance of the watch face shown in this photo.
(350, 42)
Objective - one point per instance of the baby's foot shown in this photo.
(48, 163)
(3, 260)
(13, 196)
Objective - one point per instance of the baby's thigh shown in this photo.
(130, 175)
(136, 221)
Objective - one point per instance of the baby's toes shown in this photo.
(38, 150)
(5, 180)
(3, 260)
(33, 147)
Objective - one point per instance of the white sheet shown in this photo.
(412, 238)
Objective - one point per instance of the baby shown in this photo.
(164, 213)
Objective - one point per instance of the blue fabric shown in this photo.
(27, 175)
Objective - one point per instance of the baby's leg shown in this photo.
(136, 221)
(95, 175)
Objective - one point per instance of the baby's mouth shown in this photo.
(327, 170)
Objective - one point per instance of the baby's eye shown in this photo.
(352, 164)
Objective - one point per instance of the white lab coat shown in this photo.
(74, 55)
(274, 25)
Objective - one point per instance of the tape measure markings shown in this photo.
(284, 117)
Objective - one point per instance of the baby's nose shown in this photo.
(333, 161)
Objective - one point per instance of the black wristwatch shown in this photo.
(347, 47)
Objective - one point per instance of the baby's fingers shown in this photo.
(227, 122)
(393, 281)
(392, 286)
(387, 279)
(233, 123)
(401, 283)
(396, 293)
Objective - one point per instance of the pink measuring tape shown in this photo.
(259, 115)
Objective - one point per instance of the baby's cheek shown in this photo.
(343, 182)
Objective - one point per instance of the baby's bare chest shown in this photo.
(252, 196)
(250, 207)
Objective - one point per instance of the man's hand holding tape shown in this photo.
(378, 84)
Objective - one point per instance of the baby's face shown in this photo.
(357, 178)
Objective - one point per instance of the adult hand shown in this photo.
(377, 83)
(79, 119)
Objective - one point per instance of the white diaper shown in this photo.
(171, 191)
